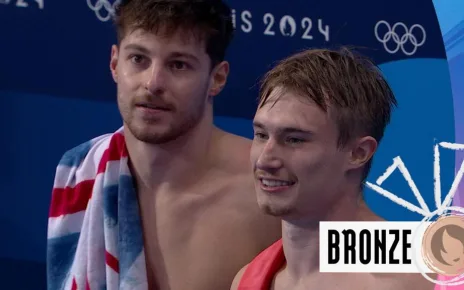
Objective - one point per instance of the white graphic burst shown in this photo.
(422, 209)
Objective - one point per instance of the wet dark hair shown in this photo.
(210, 20)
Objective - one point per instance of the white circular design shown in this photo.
(103, 5)
(407, 36)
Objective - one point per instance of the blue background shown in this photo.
(55, 85)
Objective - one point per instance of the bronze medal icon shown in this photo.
(443, 246)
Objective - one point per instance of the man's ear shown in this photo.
(114, 62)
(362, 151)
(219, 78)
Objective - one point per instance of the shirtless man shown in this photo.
(195, 190)
(321, 116)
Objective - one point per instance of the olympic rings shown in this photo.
(99, 4)
(408, 35)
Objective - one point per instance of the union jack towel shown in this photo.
(95, 238)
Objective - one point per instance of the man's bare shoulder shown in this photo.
(235, 171)
(235, 149)
(237, 139)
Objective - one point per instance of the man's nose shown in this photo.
(269, 159)
(155, 79)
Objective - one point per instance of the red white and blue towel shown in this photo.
(95, 239)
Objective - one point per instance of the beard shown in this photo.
(181, 126)
(166, 128)
(276, 211)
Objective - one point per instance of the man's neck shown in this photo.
(301, 237)
(173, 165)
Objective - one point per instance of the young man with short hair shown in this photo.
(167, 201)
(321, 116)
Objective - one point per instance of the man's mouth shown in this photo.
(274, 186)
(152, 106)
(276, 183)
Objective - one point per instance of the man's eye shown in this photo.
(179, 65)
(137, 59)
(260, 135)
(294, 140)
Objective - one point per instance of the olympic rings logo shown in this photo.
(101, 5)
(408, 36)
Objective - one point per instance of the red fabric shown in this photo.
(261, 271)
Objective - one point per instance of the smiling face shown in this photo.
(298, 166)
(321, 116)
(164, 83)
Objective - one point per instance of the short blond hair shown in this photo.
(354, 88)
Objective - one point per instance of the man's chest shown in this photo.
(195, 242)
